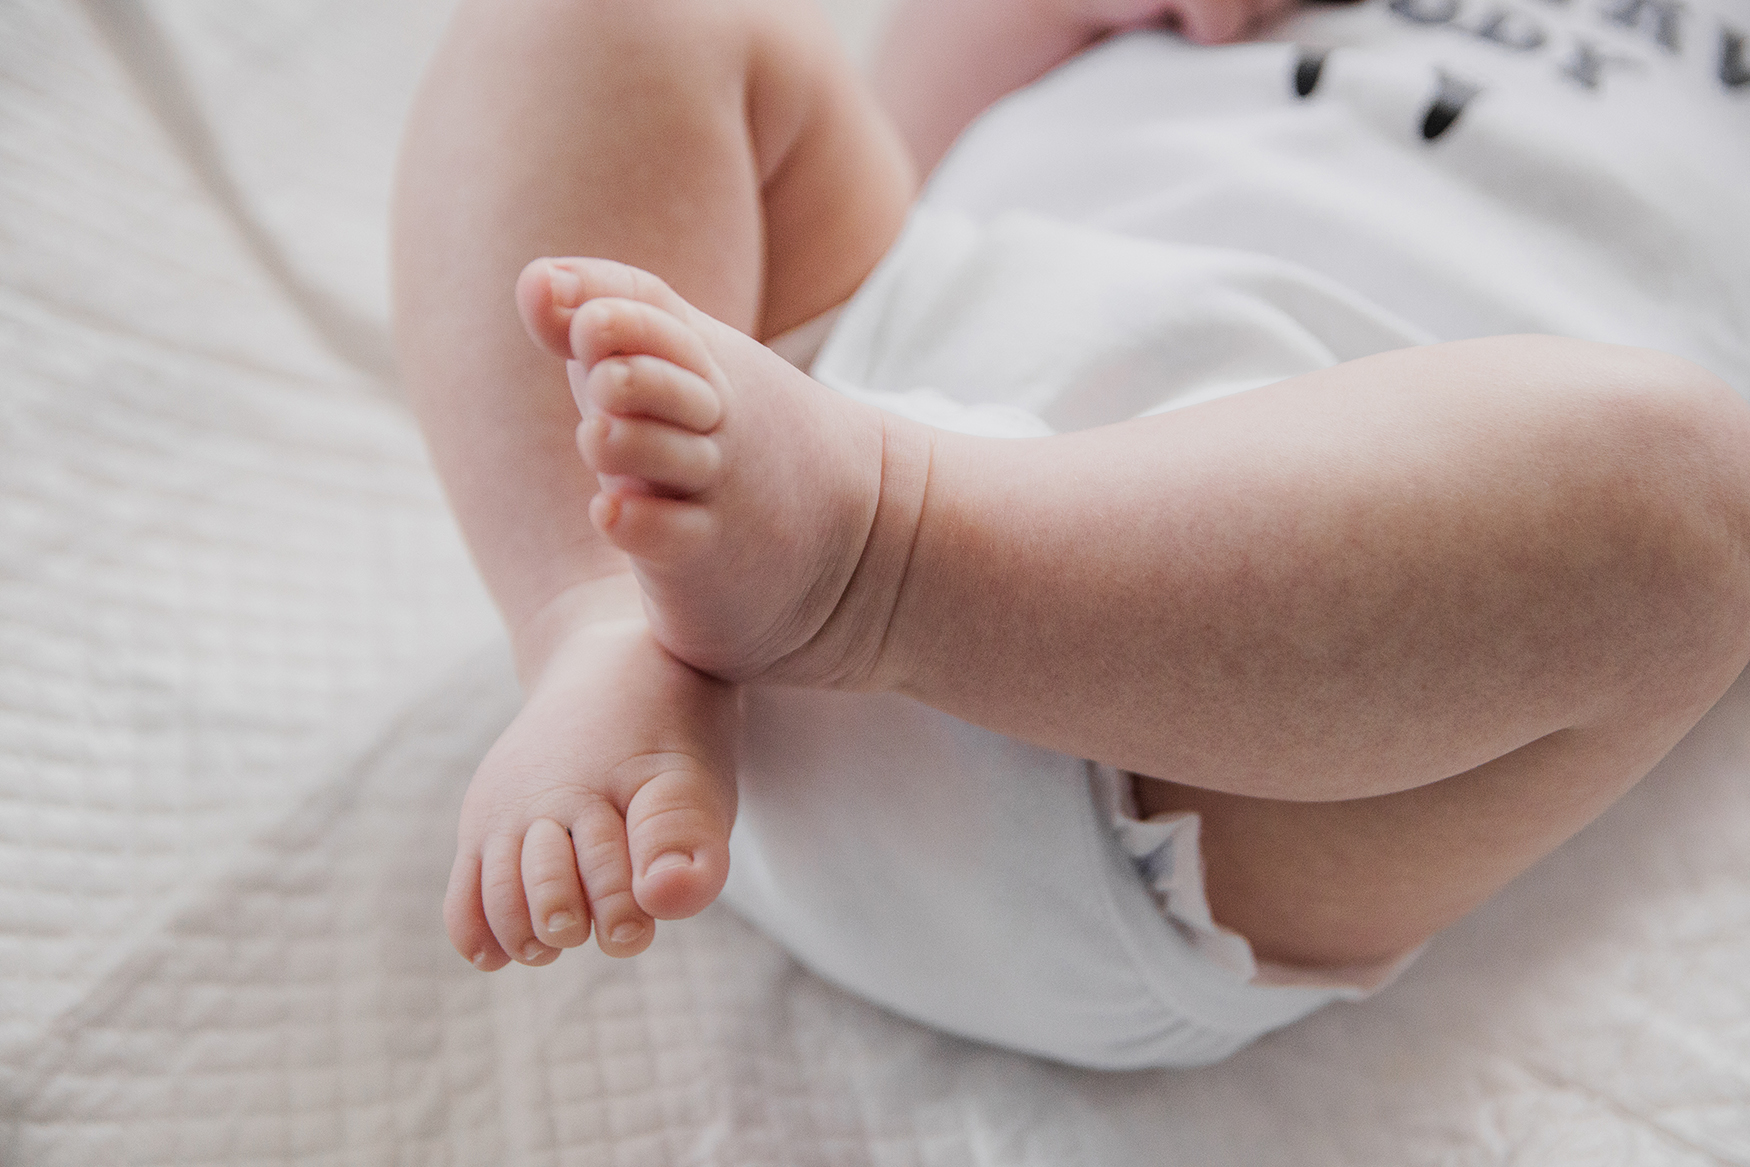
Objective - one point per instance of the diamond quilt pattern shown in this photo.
(245, 672)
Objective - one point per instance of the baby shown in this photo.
(1392, 629)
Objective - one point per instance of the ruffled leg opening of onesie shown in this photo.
(1167, 851)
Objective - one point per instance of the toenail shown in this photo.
(534, 950)
(668, 861)
(626, 933)
(559, 922)
(479, 960)
(565, 286)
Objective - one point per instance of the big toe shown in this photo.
(545, 299)
(549, 291)
(677, 827)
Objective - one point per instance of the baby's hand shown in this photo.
(1208, 22)
(609, 799)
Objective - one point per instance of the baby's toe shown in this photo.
(662, 531)
(547, 293)
(616, 327)
(669, 461)
(646, 386)
(507, 906)
(551, 886)
(678, 827)
(465, 917)
(598, 834)
(549, 290)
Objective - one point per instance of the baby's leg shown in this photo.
(1363, 881)
(1396, 628)
(728, 147)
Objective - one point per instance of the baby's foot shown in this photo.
(608, 800)
(769, 519)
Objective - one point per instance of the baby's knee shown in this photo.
(1671, 443)
(1679, 441)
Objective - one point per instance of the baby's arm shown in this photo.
(944, 61)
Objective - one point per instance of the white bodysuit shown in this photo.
(1153, 225)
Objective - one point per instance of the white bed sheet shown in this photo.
(245, 672)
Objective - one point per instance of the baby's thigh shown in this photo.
(1363, 882)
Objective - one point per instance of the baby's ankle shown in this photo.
(610, 599)
(957, 493)
(874, 651)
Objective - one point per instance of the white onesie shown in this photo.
(1157, 224)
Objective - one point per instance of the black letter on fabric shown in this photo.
(1513, 29)
(1667, 19)
(1733, 71)
(1426, 11)
(1588, 62)
(1449, 101)
(1306, 71)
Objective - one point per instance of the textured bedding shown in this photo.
(246, 671)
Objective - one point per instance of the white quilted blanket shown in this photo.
(245, 671)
